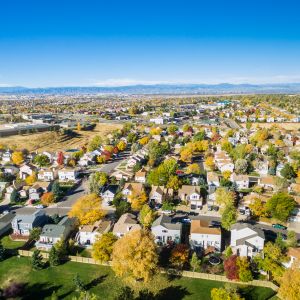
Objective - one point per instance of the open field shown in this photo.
(101, 281)
(52, 141)
(286, 126)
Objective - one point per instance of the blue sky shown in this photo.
(68, 43)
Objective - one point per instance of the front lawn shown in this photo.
(101, 281)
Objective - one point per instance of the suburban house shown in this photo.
(294, 257)
(5, 222)
(241, 181)
(12, 170)
(27, 170)
(47, 175)
(267, 182)
(108, 193)
(202, 236)
(140, 176)
(131, 187)
(6, 157)
(191, 194)
(53, 233)
(67, 174)
(213, 181)
(122, 174)
(37, 189)
(159, 194)
(88, 234)
(223, 161)
(165, 232)
(246, 240)
(22, 224)
(125, 224)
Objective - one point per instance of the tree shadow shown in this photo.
(39, 291)
(95, 282)
(169, 293)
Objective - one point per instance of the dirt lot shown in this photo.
(286, 126)
(52, 141)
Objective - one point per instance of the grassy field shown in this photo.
(52, 141)
(101, 281)
(10, 244)
(286, 126)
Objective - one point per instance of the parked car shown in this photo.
(279, 226)
(215, 224)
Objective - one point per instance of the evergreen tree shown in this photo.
(195, 262)
(37, 260)
(78, 283)
(54, 257)
(56, 190)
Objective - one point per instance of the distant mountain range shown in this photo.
(197, 89)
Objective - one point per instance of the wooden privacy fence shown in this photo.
(189, 274)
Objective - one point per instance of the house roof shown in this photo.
(112, 188)
(136, 186)
(27, 218)
(166, 222)
(202, 227)
(189, 189)
(160, 189)
(126, 223)
(258, 232)
(99, 226)
(268, 180)
(56, 230)
(212, 176)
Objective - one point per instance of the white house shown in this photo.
(202, 236)
(140, 176)
(246, 240)
(47, 175)
(88, 234)
(131, 187)
(191, 194)
(241, 181)
(213, 181)
(67, 174)
(125, 224)
(107, 194)
(165, 232)
(27, 170)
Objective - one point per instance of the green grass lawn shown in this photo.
(101, 281)
(8, 243)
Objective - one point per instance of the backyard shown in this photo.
(101, 281)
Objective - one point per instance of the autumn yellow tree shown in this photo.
(179, 256)
(137, 199)
(135, 257)
(103, 247)
(78, 126)
(193, 169)
(210, 163)
(155, 131)
(87, 209)
(226, 174)
(31, 179)
(144, 140)
(17, 157)
(48, 198)
(224, 197)
(121, 146)
(290, 284)
(186, 154)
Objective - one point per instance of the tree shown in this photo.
(226, 146)
(54, 257)
(225, 294)
(244, 269)
(226, 174)
(258, 208)
(210, 163)
(42, 160)
(292, 240)
(47, 198)
(224, 197)
(79, 285)
(288, 172)
(56, 190)
(186, 154)
(137, 199)
(17, 157)
(35, 233)
(195, 262)
(172, 129)
(2, 251)
(241, 166)
(14, 196)
(121, 146)
(79, 126)
(147, 216)
(60, 158)
(193, 169)
(290, 284)
(87, 209)
(31, 179)
(144, 140)
(135, 257)
(228, 252)
(95, 143)
(173, 183)
(229, 216)
(179, 256)
(281, 205)
(96, 181)
(37, 260)
(103, 247)
(231, 268)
